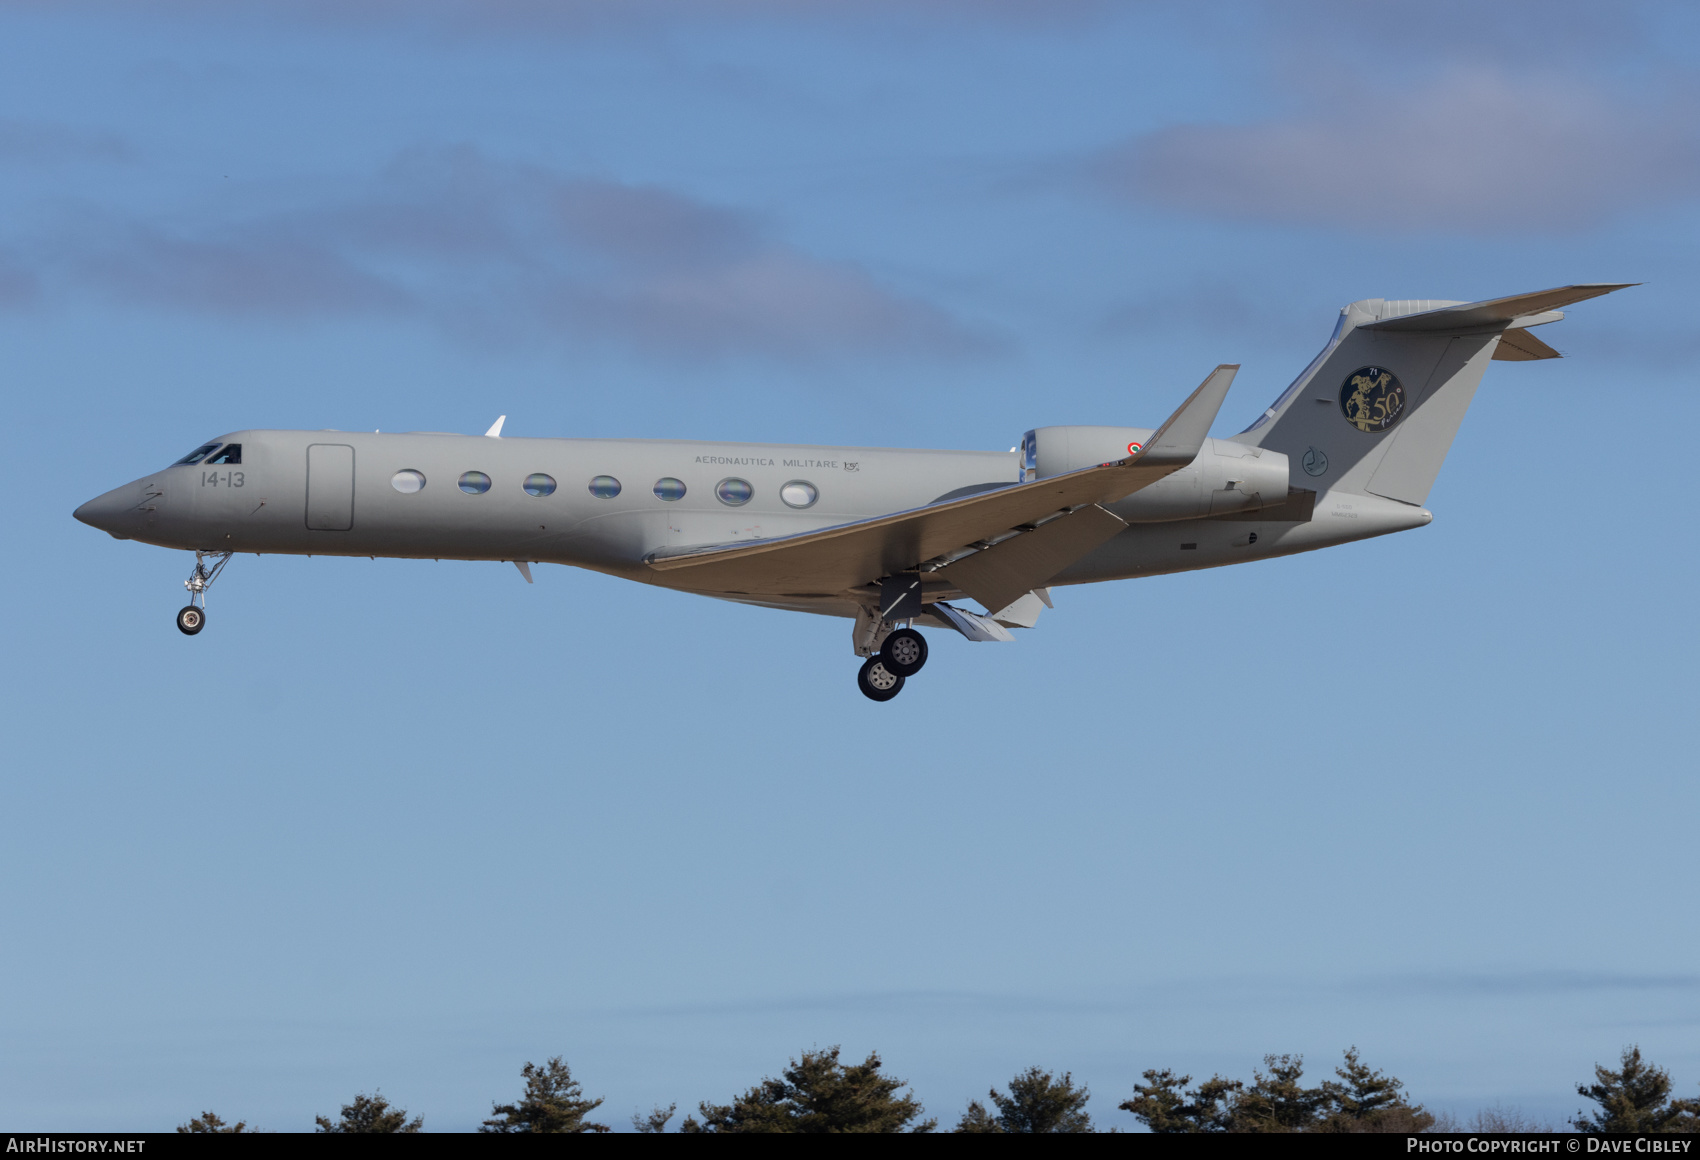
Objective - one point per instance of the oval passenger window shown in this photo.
(474, 482)
(734, 492)
(539, 484)
(605, 487)
(799, 493)
(407, 482)
(669, 489)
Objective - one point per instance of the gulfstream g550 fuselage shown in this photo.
(892, 538)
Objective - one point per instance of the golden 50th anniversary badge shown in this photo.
(1372, 399)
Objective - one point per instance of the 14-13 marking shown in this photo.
(214, 479)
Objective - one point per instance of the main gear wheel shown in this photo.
(877, 682)
(904, 652)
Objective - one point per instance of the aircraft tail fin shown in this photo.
(1377, 410)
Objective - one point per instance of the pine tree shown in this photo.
(553, 1102)
(1635, 1098)
(370, 1114)
(818, 1094)
(212, 1123)
(1368, 1101)
(1163, 1104)
(1038, 1102)
(977, 1119)
(656, 1122)
(1278, 1102)
(1362, 1100)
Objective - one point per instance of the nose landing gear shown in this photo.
(193, 616)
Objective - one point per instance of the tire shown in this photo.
(904, 652)
(191, 620)
(876, 682)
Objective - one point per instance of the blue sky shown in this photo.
(404, 825)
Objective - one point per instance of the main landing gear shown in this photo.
(193, 616)
(900, 657)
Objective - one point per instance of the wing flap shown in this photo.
(970, 624)
(1003, 573)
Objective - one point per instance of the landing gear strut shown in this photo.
(193, 616)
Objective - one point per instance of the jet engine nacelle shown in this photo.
(1226, 476)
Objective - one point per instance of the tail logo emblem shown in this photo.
(1372, 399)
(1314, 462)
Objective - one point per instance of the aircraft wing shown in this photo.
(849, 556)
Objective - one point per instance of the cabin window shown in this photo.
(197, 455)
(799, 493)
(539, 484)
(734, 492)
(231, 456)
(605, 487)
(474, 482)
(669, 489)
(408, 481)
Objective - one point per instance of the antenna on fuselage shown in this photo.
(495, 431)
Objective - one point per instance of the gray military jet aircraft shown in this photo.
(891, 538)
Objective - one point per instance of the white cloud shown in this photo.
(1478, 151)
(46, 142)
(509, 252)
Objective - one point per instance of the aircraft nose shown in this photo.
(111, 513)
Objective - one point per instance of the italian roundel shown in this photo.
(1372, 399)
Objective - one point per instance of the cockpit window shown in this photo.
(231, 455)
(197, 455)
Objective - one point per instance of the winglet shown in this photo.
(1181, 437)
(495, 431)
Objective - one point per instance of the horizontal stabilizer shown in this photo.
(1467, 317)
(1521, 346)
